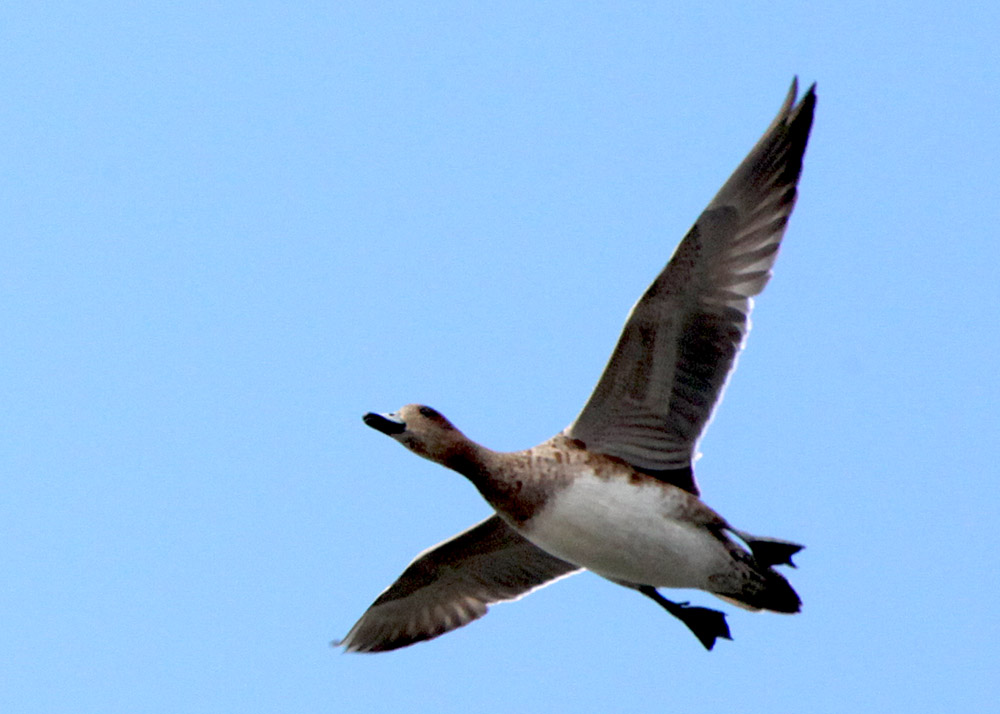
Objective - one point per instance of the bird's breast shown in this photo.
(638, 531)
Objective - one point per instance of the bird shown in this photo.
(615, 492)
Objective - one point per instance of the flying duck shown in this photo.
(614, 492)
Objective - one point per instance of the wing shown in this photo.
(681, 340)
(451, 584)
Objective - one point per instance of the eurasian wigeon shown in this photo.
(614, 492)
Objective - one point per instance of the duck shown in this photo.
(615, 491)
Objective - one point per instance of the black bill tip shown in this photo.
(385, 423)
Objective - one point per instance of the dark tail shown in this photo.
(778, 595)
(767, 589)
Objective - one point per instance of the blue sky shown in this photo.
(231, 229)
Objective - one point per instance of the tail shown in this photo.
(767, 590)
(764, 588)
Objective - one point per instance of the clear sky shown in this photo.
(229, 229)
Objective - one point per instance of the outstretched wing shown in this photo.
(682, 337)
(451, 584)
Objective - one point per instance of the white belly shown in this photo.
(630, 532)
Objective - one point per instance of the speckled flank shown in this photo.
(519, 484)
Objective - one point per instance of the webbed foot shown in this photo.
(707, 625)
(770, 551)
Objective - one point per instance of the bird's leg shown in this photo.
(707, 625)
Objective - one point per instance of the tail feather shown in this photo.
(772, 592)
(760, 586)
(778, 595)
